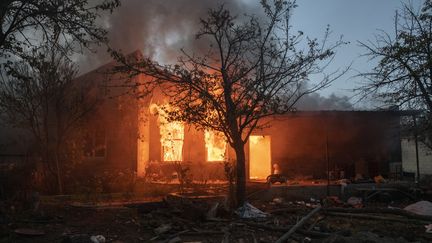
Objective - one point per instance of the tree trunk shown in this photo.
(59, 178)
(240, 174)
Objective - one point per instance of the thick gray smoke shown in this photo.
(315, 101)
(159, 28)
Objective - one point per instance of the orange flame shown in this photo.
(171, 133)
(216, 145)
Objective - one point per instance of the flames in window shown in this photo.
(216, 145)
(171, 133)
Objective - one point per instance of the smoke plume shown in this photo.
(315, 101)
(159, 28)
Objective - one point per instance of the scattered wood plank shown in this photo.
(287, 235)
(394, 211)
(171, 237)
(376, 217)
(29, 232)
(285, 210)
(40, 221)
(315, 222)
(287, 228)
(204, 232)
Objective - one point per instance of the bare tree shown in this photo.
(27, 23)
(403, 74)
(254, 68)
(39, 94)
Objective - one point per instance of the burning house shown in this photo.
(131, 132)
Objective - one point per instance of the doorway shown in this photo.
(259, 157)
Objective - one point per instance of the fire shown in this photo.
(259, 157)
(171, 133)
(216, 145)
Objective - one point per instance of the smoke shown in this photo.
(315, 101)
(158, 28)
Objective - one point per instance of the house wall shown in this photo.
(116, 114)
(409, 162)
(357, 142)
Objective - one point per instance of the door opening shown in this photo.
(259, 157)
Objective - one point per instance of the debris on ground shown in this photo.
(278, 200)
(247, 211)
(379, 179)
(364, 237)
(421, 208)
(98, 239)
(332, 201)
(29, 232)
(355, 202)
(181, 218)
(428, 228)
(163, 229)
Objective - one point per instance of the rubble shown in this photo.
(355, 202)
(421, 208)
(247, 211)
(428, 228)
(364, 237)
(98, 239)
(182, 218)
(163, 229)
(29, 232)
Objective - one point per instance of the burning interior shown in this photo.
(215, 143)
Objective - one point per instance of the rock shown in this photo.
(421, 208)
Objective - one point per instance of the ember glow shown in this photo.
(171, 133)
(216, 145)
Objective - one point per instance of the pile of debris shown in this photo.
(191, 218)
(181, 219)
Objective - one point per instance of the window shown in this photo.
(216, 145)
(172, 135)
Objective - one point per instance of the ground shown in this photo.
(180, 218)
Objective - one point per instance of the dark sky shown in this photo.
(161, 27)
